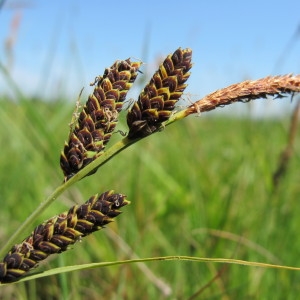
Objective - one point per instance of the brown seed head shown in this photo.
(158, 99)
(98, 117)
(56, 234)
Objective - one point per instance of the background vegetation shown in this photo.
(202, 187)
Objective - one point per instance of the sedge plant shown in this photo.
(85, 152)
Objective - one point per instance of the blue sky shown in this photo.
(58, 47)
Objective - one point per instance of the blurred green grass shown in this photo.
(189, 186)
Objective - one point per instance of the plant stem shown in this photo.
(89, 266)
(106, 156)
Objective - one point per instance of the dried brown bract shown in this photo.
(56, 234)
(98, 118)
(158, 98)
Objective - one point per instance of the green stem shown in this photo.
(101, 160)
(178, 116)
(11, 82)
(90, 266)
(106, 156)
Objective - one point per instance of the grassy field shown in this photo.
(202, 187)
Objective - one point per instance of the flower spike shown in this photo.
(58, 233)
(157, 100)
(98, 118)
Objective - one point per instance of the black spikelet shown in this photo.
(158, 99)
(98, 117)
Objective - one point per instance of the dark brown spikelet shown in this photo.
(56, 234)
(158, 99)
(98, 117)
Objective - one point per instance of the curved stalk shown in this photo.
(106, 156)
(89, 266)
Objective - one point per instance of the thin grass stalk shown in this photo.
(89, 266)
(288, 151)
(210, 283)
(153, 278)
(15, 88)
